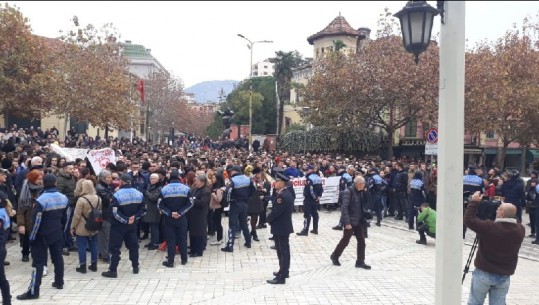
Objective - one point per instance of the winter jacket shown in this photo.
(513, 192)
(66, 185)
(354, 203)
(198, 216)
(105, 192)
(151, 195)
(83, 208)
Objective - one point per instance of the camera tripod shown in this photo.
(470, 257)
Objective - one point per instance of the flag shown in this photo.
(140, 89)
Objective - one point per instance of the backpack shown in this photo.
(94, 222)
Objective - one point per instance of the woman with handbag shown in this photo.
(87, 201)
(218, 189)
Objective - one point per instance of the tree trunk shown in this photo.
(501, 157)
(390, 144)
(523, 164)
(107, 133)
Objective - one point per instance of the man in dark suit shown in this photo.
(280, 220)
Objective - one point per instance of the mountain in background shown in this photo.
(208, 91)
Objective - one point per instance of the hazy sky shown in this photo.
(197, 41)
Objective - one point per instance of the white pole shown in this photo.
(450, 156)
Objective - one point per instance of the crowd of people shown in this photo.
(174, 197)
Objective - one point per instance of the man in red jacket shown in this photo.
(497, 254)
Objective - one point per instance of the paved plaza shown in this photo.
(402, 273)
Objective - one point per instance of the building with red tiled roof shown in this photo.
(338, 29)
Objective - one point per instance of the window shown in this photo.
(265, 73)
(411, 129)
(265, 67)
(491, 135)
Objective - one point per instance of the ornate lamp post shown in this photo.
(416, 20)
(416, 25)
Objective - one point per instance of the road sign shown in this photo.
(432, 136)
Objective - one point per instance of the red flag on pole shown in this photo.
(140, 89)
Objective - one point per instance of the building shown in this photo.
(263, 68)
(337, 32)
(141, 64)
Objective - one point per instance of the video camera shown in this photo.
(486, 209)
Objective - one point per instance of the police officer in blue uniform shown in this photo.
(5, 226)
(376, 184)
(280, 219)
(471, 183)
(47, 234)
(127, 209)
(417, 197)
(312, 192)
(346, 181)
(240, 189)
(174, 202)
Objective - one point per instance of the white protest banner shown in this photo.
(330, 185)
(99, 159)
(76, 153)
(61, 151)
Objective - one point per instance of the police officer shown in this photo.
(345, 182)
(5, 226)
(417, 197)
(312, 192)
(280, 220)
(127, 209)
(174, 202)
(376, 184)
(238, 191)
(47, 234)
(471, 183)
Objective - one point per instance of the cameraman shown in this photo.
(497, 254)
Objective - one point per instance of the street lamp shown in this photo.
(416, 20)
(250, 46)
(416, 25)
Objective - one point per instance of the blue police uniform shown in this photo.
(417, 197)
(311, 193)
(376, 183)
(126, 202)
(175, 197)
(47, 234)
(5, 226)
(471, 183)
(241, 188)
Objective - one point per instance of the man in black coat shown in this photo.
(280, 220)
(355, 201)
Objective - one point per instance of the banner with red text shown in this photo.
(101, 158)
(330, 185)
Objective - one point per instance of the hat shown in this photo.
(277, 159)
(189, 154)
(49, 180)
(126, 178)
(3, 171)
(373, 169)
(257, 170)
(235, 168)
(309, 167)
(281, 177)
(7, 164)
(174, 174)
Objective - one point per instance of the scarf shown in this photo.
(25, 198)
